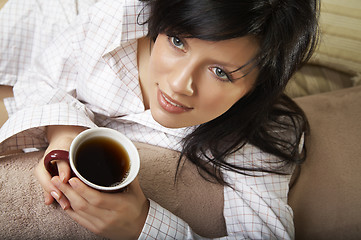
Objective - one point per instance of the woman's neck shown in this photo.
(143, 54)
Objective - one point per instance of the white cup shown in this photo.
(108, 137)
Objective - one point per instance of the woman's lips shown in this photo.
(169, 104)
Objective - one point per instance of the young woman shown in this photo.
(202, 77)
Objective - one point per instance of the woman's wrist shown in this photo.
(143, 218)
(61, 136)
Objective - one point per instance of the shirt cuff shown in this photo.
(162, 224)
(25, 128)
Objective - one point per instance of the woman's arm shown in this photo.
(46, 94)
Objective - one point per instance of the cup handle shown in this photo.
(61, 155)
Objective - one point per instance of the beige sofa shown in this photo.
(325, 196)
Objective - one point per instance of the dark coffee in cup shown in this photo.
(102, 161)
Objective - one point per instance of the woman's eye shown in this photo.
(177, 42)
(220, 74)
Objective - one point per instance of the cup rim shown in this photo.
(121, 139)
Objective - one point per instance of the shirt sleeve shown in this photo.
(162, 224)
(255, 204)
(46, 94)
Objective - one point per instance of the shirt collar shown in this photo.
(121, 54)
(133, 20)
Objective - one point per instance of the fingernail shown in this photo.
(55, 195)
(73, 183)
(63, 203)
(47, 199)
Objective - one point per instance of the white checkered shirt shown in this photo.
(87, 76)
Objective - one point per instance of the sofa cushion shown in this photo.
(326, 196)
(340, 45)
(314, 79)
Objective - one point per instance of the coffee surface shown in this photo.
(102, 161)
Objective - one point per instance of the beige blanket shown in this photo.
(23, 214)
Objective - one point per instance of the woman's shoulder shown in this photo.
(259, 162)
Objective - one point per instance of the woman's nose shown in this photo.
(181, 82)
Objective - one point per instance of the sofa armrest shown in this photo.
(326, 196)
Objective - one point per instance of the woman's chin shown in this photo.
(168, 120)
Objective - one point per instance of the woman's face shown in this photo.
(188, 81)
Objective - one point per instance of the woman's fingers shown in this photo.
(94, 197)
(79, 208)
(77, 202)
(82, 197)
(44, 179)
(61, 199)
(108, 201)
(51, 192)
(64, 170)
(108, 214)
(88, 215)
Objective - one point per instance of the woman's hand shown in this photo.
(112, 215)
(60, 138)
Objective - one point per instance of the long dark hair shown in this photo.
(287, 31)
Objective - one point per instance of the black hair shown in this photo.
(287, 32)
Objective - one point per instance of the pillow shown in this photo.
(336, 63)
(326, 196)
(340, 43)
(313, 79)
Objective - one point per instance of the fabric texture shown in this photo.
(24, 37)
(88, 77)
